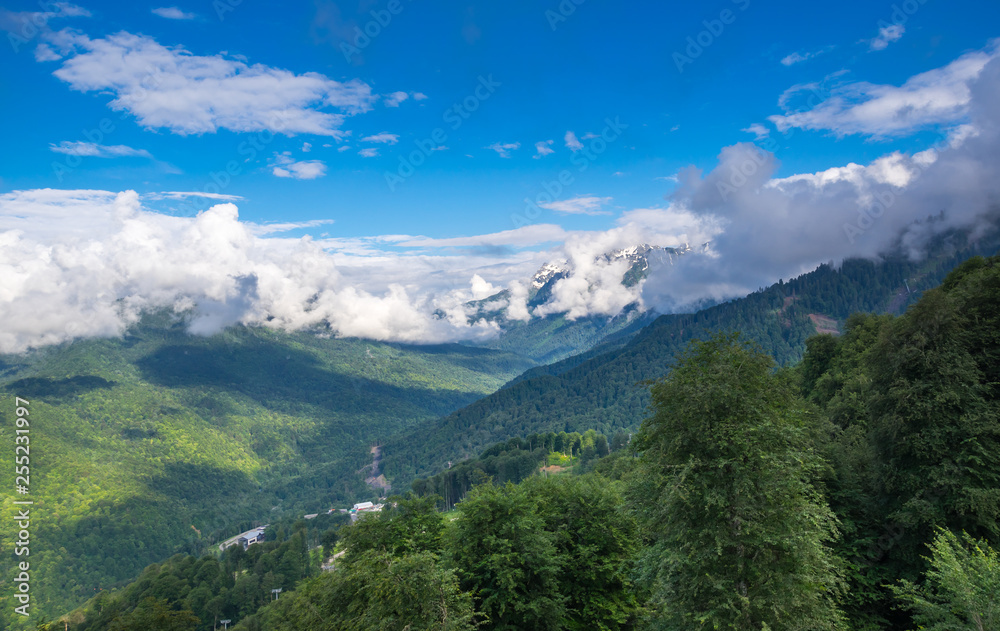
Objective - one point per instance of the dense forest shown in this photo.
(858, 489)
(517, 459)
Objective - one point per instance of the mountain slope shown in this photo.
(164, 442)
(605, 391)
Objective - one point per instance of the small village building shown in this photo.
(250, 537)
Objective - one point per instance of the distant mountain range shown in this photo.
(554, 337)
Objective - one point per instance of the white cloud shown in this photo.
(306, 147)
(519, 237)
(757, 130)
(368, 152)
(543, 148)
(276, 228)
(572, 142)
(186, 194)
(794, 58)
(79, 263)
(108, 260)
(936, 97)
(395, 98)
(286, 166)
(481, 289)
(44, 52)
(173, 13)
(24, 24)
(887, 35)
(504, 149)
(343, 148)
(779, 228)
(383, 138)
(797, 57)
(171, 88)
(580, 205)
(90, 149)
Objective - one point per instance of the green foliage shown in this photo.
(153, 613)
(207, 588)
(962, 587)
(378, 591)
(512, 461)
(549, 553)
(917, 403)
(596, 538)
(727, 492)
(407, 525)
(504, 556)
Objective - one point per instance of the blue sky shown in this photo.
(497, 102)
(600, 61)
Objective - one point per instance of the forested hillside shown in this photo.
(605, 392)
(163, 442)
(858, 490)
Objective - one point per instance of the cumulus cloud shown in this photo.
(383, 138)
(579, 205)
(593, 282)
(936, 97)
(395, 98)
(572, 142)
(886, 35)
(90, 149)
(285, 166)
(109, 260)
(173, 13)
(504, 149)
(758, 130)
(779, 228)
(170, 88)
(368, 152)
(543, 148)
(481, 289)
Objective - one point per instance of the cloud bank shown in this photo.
(96, 275)
(779, 228)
